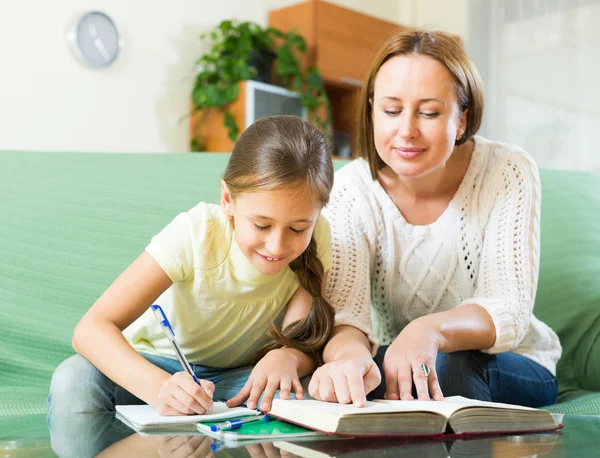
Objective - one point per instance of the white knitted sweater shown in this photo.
(484, 249)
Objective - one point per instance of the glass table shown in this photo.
(103, 435)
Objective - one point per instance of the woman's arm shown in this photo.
(468, 327)
(509, 264)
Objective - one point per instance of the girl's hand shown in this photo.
(180, 395)
(417, 344)
(345, 381)
(184, 446)
(278, 369)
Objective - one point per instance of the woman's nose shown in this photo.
(407, 125)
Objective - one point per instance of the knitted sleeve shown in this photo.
(509, 265)
(348, 287)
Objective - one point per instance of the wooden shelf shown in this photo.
(340, 42)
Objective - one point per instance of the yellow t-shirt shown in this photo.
(219, 305)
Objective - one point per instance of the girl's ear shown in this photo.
(226, 201)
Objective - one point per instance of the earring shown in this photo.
(458, 137)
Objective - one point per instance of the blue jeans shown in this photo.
(504, 377)
(78, 387)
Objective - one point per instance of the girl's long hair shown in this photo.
(281, 152)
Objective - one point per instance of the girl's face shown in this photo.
(272, 228)
(416, 116)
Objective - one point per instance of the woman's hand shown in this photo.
(181, 395)
(345, 381)
(277, 370)
(417, 344)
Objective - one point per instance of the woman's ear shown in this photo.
(226, 200)
(462, 124)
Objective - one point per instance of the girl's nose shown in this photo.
(275, 243)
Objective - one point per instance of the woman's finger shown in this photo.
(420, 378)
(405, 380)
(434, 386)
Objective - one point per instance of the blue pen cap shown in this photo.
(162, 318)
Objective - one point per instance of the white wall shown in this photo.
(447, 15)
(48, 101)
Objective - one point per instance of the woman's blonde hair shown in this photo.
(286, 152)
(446, 49)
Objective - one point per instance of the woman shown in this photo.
(435, 244)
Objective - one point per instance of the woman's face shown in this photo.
(416, 116)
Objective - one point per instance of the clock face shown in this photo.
(97, 40)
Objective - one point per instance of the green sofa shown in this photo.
(71, 222)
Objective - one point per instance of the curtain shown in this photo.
(540, 63)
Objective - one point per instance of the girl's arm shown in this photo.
(281, 368)
(98, 337)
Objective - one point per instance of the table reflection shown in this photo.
(104, 435)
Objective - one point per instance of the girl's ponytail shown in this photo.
(310, 334)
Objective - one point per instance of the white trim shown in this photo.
(252, 86)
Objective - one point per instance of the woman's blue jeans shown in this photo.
(503, 377)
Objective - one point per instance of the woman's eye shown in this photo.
(391, 112)
(431, 115)
(297, 231)
(261, 228)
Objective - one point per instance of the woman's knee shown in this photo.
(77, 386)
(463, 373)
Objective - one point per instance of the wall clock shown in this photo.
(96, 40)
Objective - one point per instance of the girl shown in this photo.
(225, 274)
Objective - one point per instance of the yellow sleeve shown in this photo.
(322, 236)
(178, 247)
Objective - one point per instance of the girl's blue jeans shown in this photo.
(78, 387)
(504, 377)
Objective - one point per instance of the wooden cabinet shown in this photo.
(341, 42)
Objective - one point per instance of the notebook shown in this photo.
(142, 417)
(453, 415)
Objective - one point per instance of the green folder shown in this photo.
(259, 430)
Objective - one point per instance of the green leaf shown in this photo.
(231, 125)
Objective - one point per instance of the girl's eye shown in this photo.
(297, 231)
(261, 228)
(431, 115)
(391, 112)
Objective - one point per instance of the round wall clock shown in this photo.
(96, 39)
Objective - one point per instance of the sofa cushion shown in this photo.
(71, 222)
(568, 296)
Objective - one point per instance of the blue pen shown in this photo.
(237, 423)
(166, 327)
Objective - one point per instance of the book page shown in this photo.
(446, 407)
(145, 415)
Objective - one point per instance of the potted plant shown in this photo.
(243, 51)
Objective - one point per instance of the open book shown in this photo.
(453, 415)
(142, 417)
